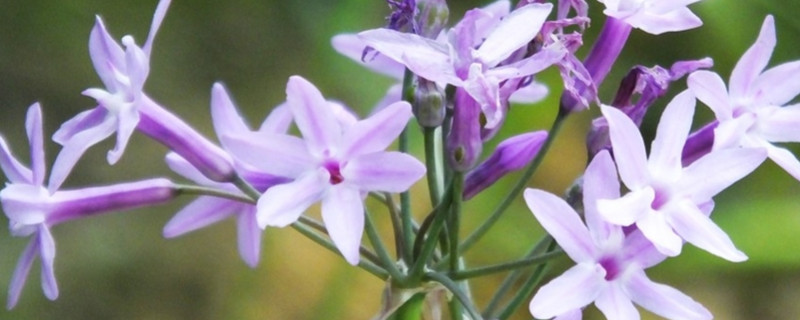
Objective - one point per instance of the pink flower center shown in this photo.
(334, 171)
(612, 267)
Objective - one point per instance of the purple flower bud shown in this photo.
(464, 143)
(510, 155)
(429, 103)
(699, 143)
(431, 17)
(164, 127)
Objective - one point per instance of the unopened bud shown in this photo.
(464, 144)
(510, 155)
(429, 104)
(431, 17)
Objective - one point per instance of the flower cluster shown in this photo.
(629, 211)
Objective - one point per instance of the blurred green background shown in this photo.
(119, 267)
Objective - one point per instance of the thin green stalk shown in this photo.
(455, 218)
(432, 166)
(247, 188)
(506, 266)
(405, 198)
(459, 295)
(527, 289)
(518, 188)
(429, 242)
(509, 281)
(314, 224)
(394, 214)
(386, 261)
(206, 191)
(367, 265)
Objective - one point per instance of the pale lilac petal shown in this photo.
(198, 214)
(105, 52)
(534, 64)
(384, 171)
(312, 115)
(627, 209)
(226, 120)
(513, 32)
(158, 17)
(249, 236)
(753, 61)
(75, 147)
(351, 46)
(599, 182)
(20, 274)
(576, 314)
(717, 170)
(663, 300)
(33, 126)
(377, 132)
(655, 228)
(640, 250)
(628, 148)
(15, 171)
(574, 289)
(562, 223)
(696, 228)
(676, 20)
(616, 304)
(278, 120)
(393, 94)
(778, 85)
(47, 249)
(731, 133)
(182, 167)
(425, 57)
(673, 129)
(283, 204)
(486, 91)
(276, 154)
(137, 66)
(127, 119)
(781, 125)
(709, 88)
(85, 119)
(530, 94)
(343, 214)
(785, 159)
(25, 204)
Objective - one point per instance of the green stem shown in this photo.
(394, 214)
(386, 261)
(219, 193)
(518, 188)
(482, 271)
(314, 224)
(247, 188)
(527, 289)
(405, 198)
(428, 240)
(509, 281)
(459, 295)
(455, 218)
(432, 166)
(367, 265)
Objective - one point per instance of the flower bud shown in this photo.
(431, 17)
(510, 155)
(429, 104)
(464, 142)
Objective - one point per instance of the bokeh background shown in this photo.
(119, 266)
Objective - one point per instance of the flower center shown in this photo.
(612, 267)
(335, 172)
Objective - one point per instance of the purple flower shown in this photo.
(471, 56)
(753, 112)
(123, 107)
(610, 264)
(667, 201)
(654, 16)
(510, 155)
(334, 164)
(32, 210)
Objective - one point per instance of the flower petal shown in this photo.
(278, 120)
(351, 46)
(158, 17)
(574, 289)
(81, 121)
(343, 214)
(627, 209)
(127, 120)
(717, 170)
(249, 235)
(198, 214)
(105, 52)
(616, 304)
(377, 132)
(753, 61)
(47, 248)
(628, 148)
(784, 159)
(384, 171)
(696, 228)
(563, 223)
(20, 274)
(277, 154)
(283, 204)
(655, 228)
(710, 89)
(313, 116)
(778, 85)
(513, 32)
(599, 182)
(75, 147)
(425, 57)
(33, 126)
(664, 300)
(15, 171)
(673, 129)
(781, 124)
(226, 120)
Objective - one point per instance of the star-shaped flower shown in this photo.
(654, 16)
(610, 264)
(752, 111)
(667, 202)
(333, 164)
